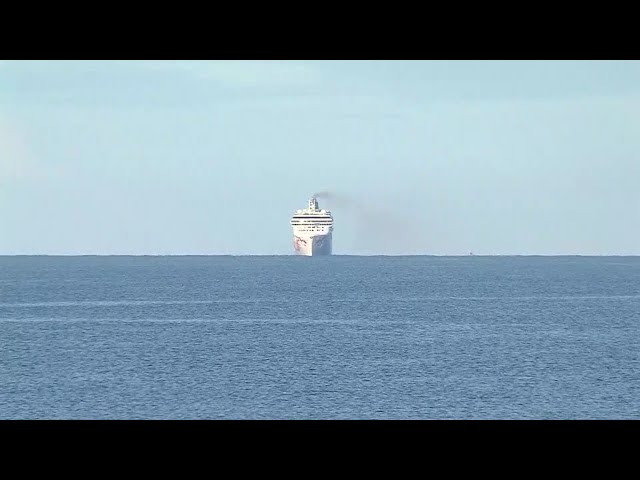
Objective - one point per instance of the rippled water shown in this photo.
(333, 337)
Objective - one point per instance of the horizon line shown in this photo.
(293, 255)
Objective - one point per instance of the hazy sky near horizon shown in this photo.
(213, 157)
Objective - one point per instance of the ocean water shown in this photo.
(339, 337)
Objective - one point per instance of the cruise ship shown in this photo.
(312, 230)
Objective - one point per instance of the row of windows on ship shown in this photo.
(312, 220)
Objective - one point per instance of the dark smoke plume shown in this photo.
(376, 230)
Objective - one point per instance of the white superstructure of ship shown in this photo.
(312, 230)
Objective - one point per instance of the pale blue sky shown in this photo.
(195, 157)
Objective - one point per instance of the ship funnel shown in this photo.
(313, 204)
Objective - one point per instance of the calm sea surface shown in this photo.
(320, 338)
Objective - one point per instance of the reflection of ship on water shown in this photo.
(312, 230)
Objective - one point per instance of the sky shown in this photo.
(213, 157)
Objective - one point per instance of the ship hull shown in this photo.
(317, 245)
